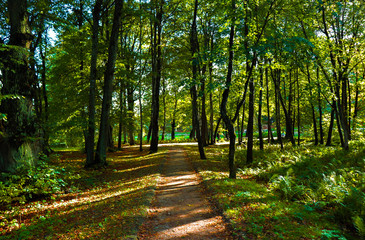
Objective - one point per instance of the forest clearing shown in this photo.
(172, 119)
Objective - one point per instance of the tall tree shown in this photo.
(223, 107)
(100, 154)
(90, 139)
(156, 51)
(195, 69)
(19, 128)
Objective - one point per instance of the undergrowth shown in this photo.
(108, 203)
(32, 182)
(307, 191)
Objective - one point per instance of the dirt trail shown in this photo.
(180, 209)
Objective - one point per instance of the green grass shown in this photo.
(305, 192)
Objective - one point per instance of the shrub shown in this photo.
(351, 211)
(288, 188)
(31, 182)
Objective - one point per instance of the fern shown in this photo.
(359, 225)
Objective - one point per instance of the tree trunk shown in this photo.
(173, 125)
(110, 144)
(242, 121)
(16, 146)
(312, 108)
(223, 108)
(251, 109)
(100, 154)
(90, 137)
(204, 128)
(216, 130)
(164, 109)
(149, 133)
(46, 148)
(260, 109)
(277, 109)
(121, 115)
(356, 107)
(321, 135)
(269, 132)
(288, 121)
(131, 125)
(156, 79)
(211, 117)
(329, 136)
(195, 64)
(298, 99)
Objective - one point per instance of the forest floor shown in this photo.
(302, 192)
(180, 209)
(160, 190)
(108, 203)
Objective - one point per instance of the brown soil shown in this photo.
(180, 209)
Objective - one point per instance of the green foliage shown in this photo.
(351, 211)
(307, 189)
(287, 187)
(29, 182)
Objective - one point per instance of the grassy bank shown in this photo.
(302, 192)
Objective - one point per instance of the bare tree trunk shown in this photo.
(298, 99)
(130, 113)
(223, 108)
(329, 136)
(47, 148)
(321, 135)
(269, 131)
(288, 121)
(20, 126)
(195, 64)
(173, 125)
(216, 130)
(100, 154)
(242, 121)
(251, 109)
(260, 109)
(211, 117)
(156, 79)
(164, 109)
(312, 108)
(277, 108)
(356, 107)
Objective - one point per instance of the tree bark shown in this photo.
(46, 148)
(173, 125)
(164, 109)
(156, 77)
(321, 135)
(100, 154)
(211, 113)
(90, 138)
(223, 107)
(269, 131)
(312, 108)
(121, 115)
(288, 121)
(277, 109)
(195, 64)
(329, 135)
(130, 113)
(16, 148)
(251, 109)
(260, 110)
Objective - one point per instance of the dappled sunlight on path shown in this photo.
(180, 209)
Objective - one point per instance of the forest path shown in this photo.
(180, 209)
